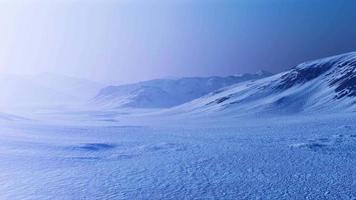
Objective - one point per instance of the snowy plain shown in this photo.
(91, 157)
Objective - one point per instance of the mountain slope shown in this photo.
(322, 85)
(165, 93)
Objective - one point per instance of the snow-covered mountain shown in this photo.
(324, 85)
(18, 91)
(165, 93)
(9, 117)
(79, 88)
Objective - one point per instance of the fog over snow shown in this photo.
(179, 99)
(284, 136)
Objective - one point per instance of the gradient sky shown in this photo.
(130, 40)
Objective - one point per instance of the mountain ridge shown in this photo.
(322, 85)
(165, 93)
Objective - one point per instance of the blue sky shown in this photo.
(131, 40)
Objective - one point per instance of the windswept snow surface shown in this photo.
(297, 157)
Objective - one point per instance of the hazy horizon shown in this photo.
(118, 82)
(128, 41)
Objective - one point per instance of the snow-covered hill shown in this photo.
(79, 88)
(322, 85)
(18, 91)
(8, 117)
(165, 93)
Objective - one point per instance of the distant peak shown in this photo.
(263, 72)
(258, 73)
